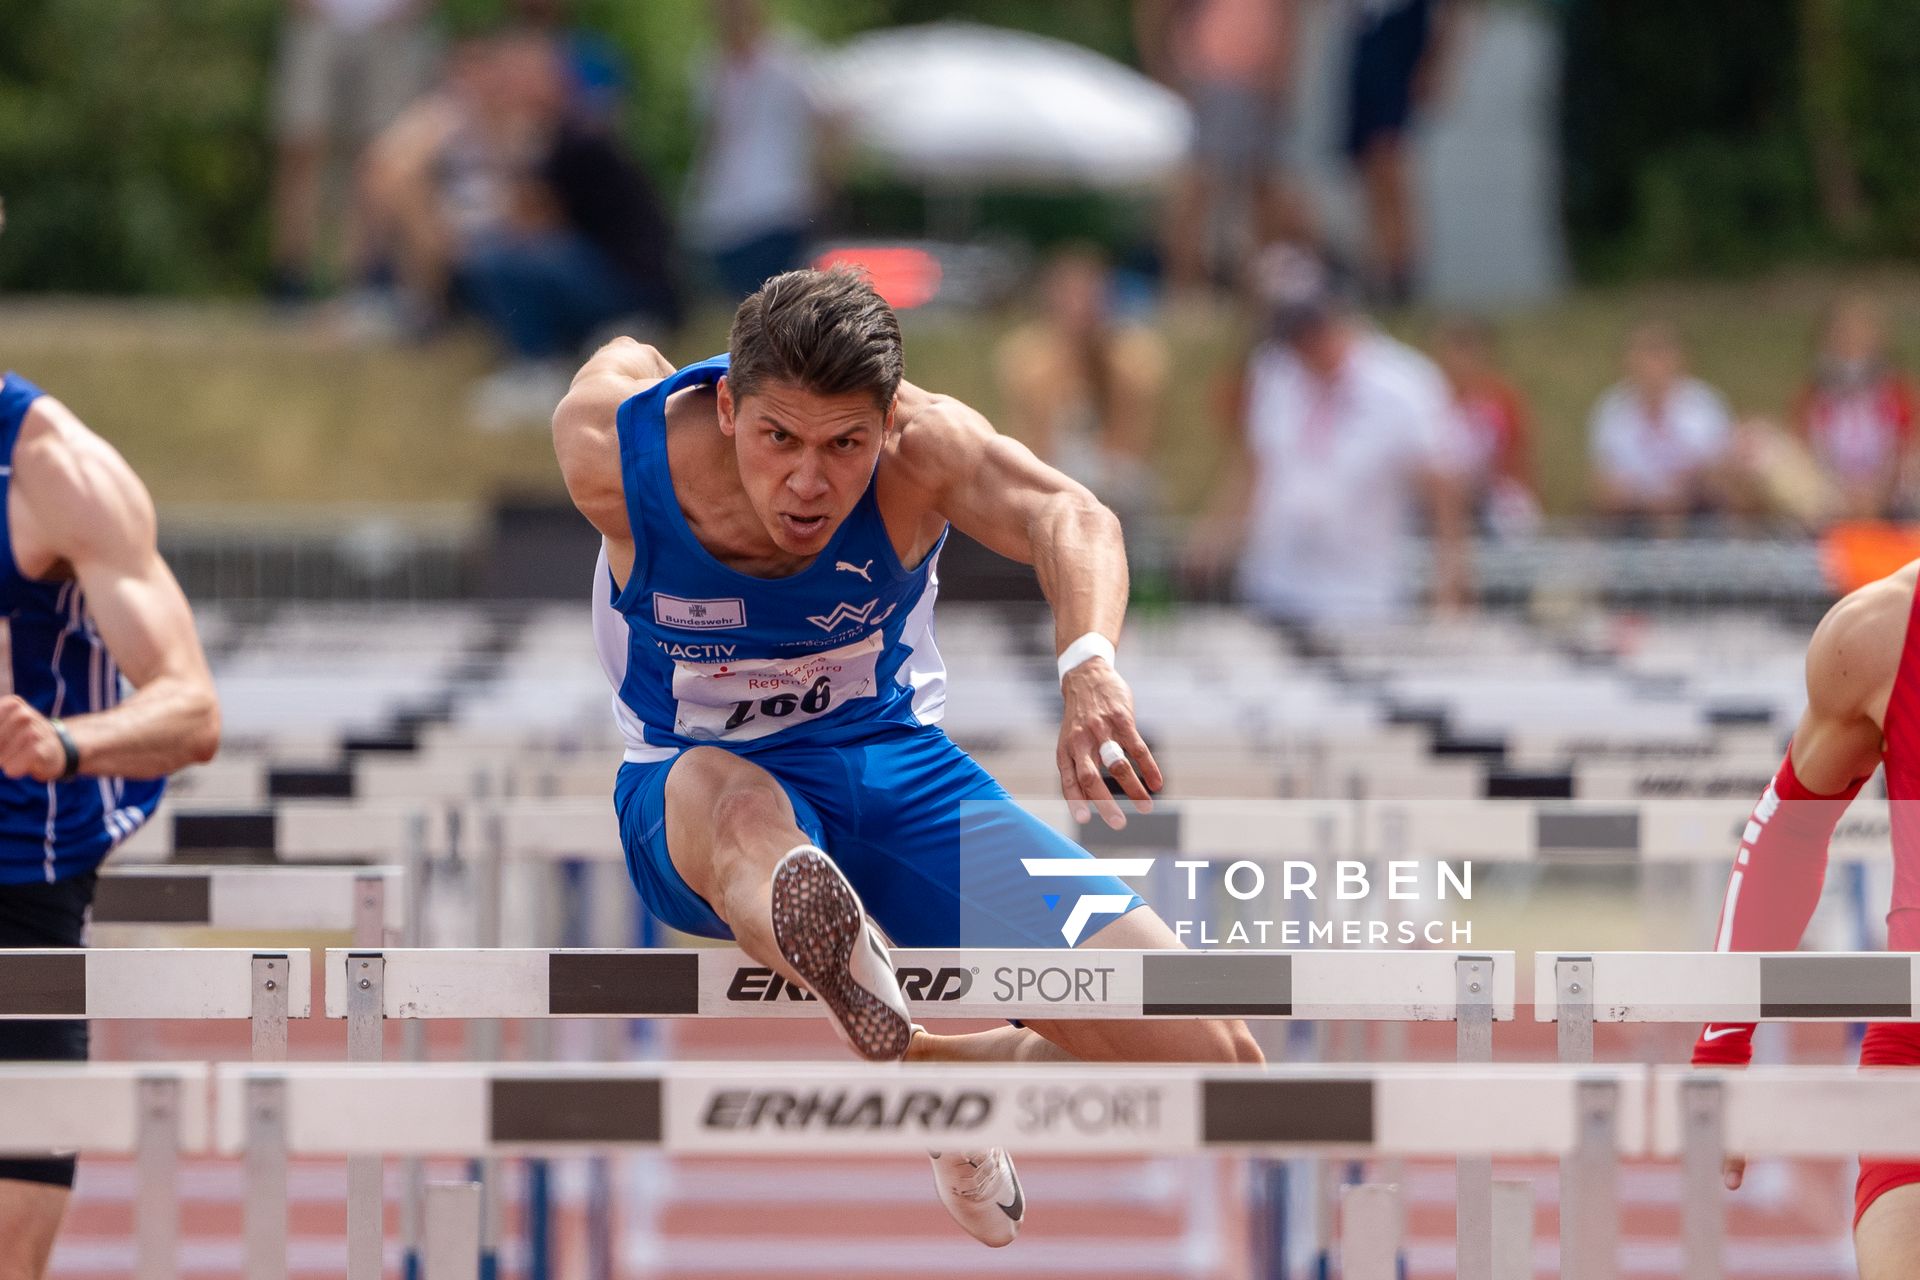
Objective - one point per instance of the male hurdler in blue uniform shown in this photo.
(772, 523)
(84, 597)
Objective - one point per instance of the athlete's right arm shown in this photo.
(586, 438)
(1782, 862)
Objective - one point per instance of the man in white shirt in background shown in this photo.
(1660, 438)
(755, 188)
(1345, 436)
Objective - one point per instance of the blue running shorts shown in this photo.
(931, 843)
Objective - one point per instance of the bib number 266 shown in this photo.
(815, 700)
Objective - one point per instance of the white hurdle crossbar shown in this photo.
(152, 1111)
(1596, 1114)
(185, 984)
(1424, 986)
(368, 902)
(293, 831)
(1578, 989)
(1656, 830)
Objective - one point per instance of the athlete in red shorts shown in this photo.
(1863, 710)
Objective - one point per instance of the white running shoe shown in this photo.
(825, 935)
(982, 1192)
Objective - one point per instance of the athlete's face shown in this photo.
(804, 459)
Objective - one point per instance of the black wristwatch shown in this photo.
(71, 769)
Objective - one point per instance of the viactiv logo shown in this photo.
(1087, 905)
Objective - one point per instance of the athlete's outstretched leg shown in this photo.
(1887, 1238)
(30, 1214)
(728, 823)
(735, 840)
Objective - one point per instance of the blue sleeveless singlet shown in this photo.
(702, 654)
(52, 830)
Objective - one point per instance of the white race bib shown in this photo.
(740, 701)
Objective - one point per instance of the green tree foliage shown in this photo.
(133, 143)
(1723, 135)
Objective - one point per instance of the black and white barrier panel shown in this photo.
(1259, 830)
(151, 1111)
(1578, 989)
(1421, 986)
(291, 831)
(1701, 1116)
(1592, 1115)
(1675, 831)
(368, 902)
(184, 984)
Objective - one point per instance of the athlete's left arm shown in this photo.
(994, 490)
(84, 505)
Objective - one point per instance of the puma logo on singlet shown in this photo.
(844, 566)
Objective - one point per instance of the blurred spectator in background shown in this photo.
(1232, 60)
(1661, 439)
(1084, 388)
(347, 69)
(1497, 429)
(1856, 411)
(755, 187)
(1344, 434)
(502, 200)
(596, 76)
(1396, 62)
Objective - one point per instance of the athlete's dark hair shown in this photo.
(825, 331)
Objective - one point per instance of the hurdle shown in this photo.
(367, 902)
(289, 831)
(1472, 990)
(1702, 1115)
(154, 1112)
(1596, 1115)
(188, 984)
(1576, 990)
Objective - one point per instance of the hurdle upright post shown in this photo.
(1370, 1232)
(1589, 1182)
(370, 910)
(156, 1210)
(452, 1231)
(1573, 1014)
(484, 1040)
(1702, 1209)
(272, 976)
(1513, 1229)
(1473, 1175)
(370, 930)
(366, 1196)
(266, 1179)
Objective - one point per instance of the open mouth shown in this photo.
(803, 526)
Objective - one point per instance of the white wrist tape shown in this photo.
(1090, 645)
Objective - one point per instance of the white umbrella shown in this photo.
(966, 105)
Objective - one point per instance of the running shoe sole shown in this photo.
(818, 921)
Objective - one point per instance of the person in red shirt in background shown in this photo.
(1856, 412)
(1498, 428)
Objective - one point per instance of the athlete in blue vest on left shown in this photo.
(772, 521)
(84, 598)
